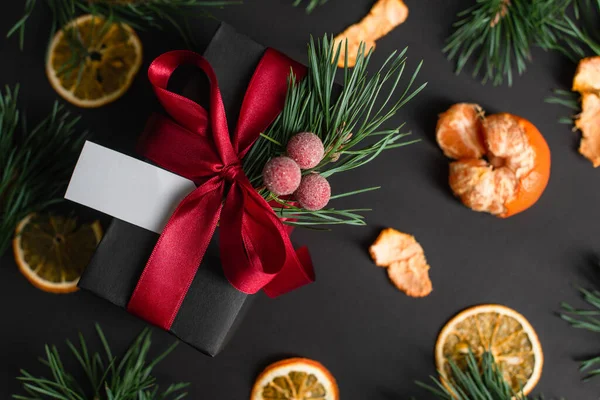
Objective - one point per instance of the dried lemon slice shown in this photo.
(92, 62)
(500, 330)
(295, 379)
(53, 251)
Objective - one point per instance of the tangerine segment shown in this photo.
(459, 131)
(497, 329)
(587, 76)
(295, 379)
(92, 62)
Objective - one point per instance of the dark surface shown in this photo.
(373, 338)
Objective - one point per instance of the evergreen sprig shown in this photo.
(480, 380)
(36, 163)
(496, 36)
(311, 4)
(588, 319)
(140, 14)
(108, 377)
(345, 119)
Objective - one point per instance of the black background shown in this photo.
(373, 338)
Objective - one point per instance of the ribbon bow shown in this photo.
(255, 248)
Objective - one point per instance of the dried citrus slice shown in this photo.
(500, 330)
(502, 171)
(92, 62)
(405, 260)
(295, 379)
(53, 251)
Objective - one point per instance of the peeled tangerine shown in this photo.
(405, 260)
(587, 83)
(503, 161)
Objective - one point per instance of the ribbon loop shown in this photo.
(256, 251)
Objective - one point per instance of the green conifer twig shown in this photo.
(496, 36)
(481, 380)
(36, 163)
(344, 121)
(587, 319)
(108, 377)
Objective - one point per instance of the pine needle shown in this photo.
(344, 121)
(108, 377)
(312, 4)
(37, 163)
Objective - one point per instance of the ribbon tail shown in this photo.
(177, 255)
(297, 271)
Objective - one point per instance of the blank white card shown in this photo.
(126, 188)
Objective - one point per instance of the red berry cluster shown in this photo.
(282, 175)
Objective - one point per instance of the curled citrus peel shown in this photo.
(502, 161)
(405, 261)
(587, 83)
(384, 16)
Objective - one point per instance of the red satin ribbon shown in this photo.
(256, 251)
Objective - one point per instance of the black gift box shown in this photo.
(212, 306)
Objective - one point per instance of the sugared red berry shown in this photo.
(313, 193)
(281, 175)
(306, 149)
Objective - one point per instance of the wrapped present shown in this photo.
(232, 162)
(191, 238)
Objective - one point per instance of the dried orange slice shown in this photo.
(500, 330)
(295, 379)
(503, 170)
(53, 251)
(92, 62)
(405, 260)
(384, 16)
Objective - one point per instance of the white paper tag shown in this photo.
(126, 188)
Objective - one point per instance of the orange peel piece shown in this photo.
(405, 261)
(587, 76)
(384, 16)
(587, 83)
(588, 122)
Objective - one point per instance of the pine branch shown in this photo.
(344, 121)
(108, 377)
(140, 14)
(481, 380)
(36, 163)
(587, 319)
(496, 36)
(312, 4)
